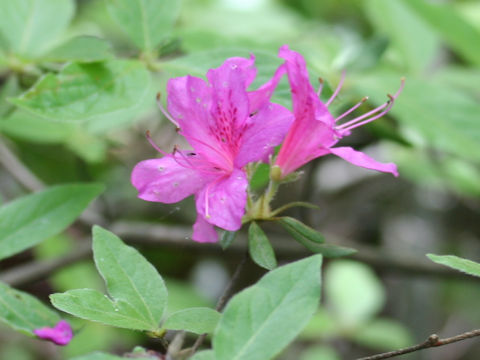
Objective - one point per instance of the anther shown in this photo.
(320, 88)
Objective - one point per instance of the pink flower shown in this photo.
(60, 334)
(227, 127)
(315, 130)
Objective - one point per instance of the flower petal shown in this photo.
(304, 95)
(305, 141)
(265, 130)
(360, 159)
(168, 180)
(230, 108)
(260, 97)
(222, 202)
(190, 104)
(203, 231)
(60, 334)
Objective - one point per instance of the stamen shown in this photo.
(155, 146)
(176, 150)
(352, 109)
(320, 87)
(337, 90)
(387, 109)
(364, 116)
(164, 111)
(352, 124)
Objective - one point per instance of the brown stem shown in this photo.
(432, 341)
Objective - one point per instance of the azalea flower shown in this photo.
(315, 130)
(60, 334)
(227, 127)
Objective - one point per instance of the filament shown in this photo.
(164, 111)
(352, 109)
(155, 146)
(337, 90)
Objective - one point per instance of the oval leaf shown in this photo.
(33, 218)
(297, 228)
(260, 321)
(86, 91)
(147, 22)
(24, 312)
(29, 27)
(260, 248)
(129, 276)
(92, 305)
(197, 320)
(457, 263)
(80, 48)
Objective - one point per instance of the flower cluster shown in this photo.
(229, 127)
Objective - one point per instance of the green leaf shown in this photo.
(147, 22)
(80, 48)
(382, 334)
(457, 263)
(23, 312)
(197, 320)
(33, 218)
(312, 239)
(87, 91)
(458, 33)
(416, 43)
(260, 248)
(138, 293)
(204, 355)
(129, 276)
(93, 305)
(263, 319)
(354, 293)
(227, 238)
(29, 27)
(293, 226)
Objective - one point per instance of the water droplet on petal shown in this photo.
(161, 168)
(234, 66)
(175, 184)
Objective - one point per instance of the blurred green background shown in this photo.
(389, 296)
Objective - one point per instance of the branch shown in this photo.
(432, 341)
(177, 237)
(16, 168)
(32, 183)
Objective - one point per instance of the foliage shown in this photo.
(78, 81)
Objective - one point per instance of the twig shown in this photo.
(38, 270)
(32, 183)
(16, 168)
(432, 341)
(177, 237)
(222, 301)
